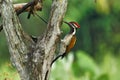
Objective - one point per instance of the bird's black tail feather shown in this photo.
(62, 56)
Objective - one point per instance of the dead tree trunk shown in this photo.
(32, 60)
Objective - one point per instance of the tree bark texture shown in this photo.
(32, 60)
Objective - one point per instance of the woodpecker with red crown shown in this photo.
(69, 40)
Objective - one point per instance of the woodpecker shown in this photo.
(69, 40)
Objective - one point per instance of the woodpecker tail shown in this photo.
(56, 59)
(62, 56)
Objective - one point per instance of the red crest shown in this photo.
(75, 24)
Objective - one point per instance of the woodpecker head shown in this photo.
(73, 25)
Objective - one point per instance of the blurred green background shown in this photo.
(96, 55)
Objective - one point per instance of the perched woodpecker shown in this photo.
(69, 40)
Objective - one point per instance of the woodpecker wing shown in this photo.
(71, 45)
(64, 43)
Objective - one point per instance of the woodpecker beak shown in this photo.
(72, 24)
(66, 22)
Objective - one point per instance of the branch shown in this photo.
(23, 7)
(47, 45)
(32, 60)
(18, 7)
(19, 42)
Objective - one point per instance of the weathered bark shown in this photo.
(32, 60)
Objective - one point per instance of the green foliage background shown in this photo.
(96, 55)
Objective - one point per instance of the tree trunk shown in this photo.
(32, 60)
